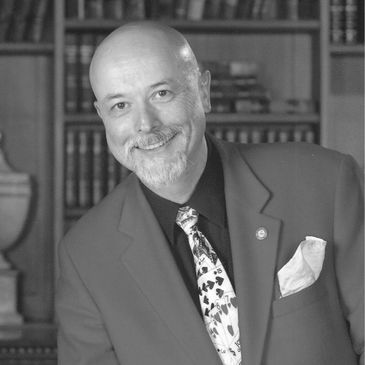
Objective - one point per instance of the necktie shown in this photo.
(217, 297)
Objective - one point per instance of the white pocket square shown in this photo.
(303, 269)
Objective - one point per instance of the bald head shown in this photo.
(138, 42)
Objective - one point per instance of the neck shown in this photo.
(180, 191)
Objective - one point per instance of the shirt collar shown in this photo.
(208, 197)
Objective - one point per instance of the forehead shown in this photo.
(136, 68)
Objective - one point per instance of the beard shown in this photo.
(156, 171)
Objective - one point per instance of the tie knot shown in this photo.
(187, 218)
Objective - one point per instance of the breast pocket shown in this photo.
(306, 297)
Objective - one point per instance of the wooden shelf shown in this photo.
(29, 344)
(213, 26)
(347, 49)
(91, 118)
(26, 48)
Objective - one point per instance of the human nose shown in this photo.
(148, 118)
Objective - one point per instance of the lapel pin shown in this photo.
(261, 233)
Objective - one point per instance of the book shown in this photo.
(86, 52)
(70, 169)
(135, 9)
(255, 11)
(350, 21)
(235, 82)
(360, 21)
(84, 178)
(181, 9)
(292, 9)
(284, 135)
(195, 10)
(6, 11)
(212, 9)
(229, 9)
(112, 172)
(244, 9)
(271, 135)
(94, 9)
(337, 11)
(98, 166)
(113, 9)
(71, 72)
(257, 135)
(20, 19)
(243, 135)
(71, 9)
(37, 20)
(230, 135)
(166, 9)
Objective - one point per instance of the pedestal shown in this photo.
(8, 299)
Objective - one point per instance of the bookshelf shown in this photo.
(296, 59)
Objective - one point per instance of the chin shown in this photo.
(159, 172)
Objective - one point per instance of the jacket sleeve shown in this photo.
(349, 254)
(82, 338)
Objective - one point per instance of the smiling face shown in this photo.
(152, 100)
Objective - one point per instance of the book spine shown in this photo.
(98, 163)
(337, 11)
(284, 135)
(243, 135)
(72, 9)
(94, 9)
(84, 170)
(135, 9)
(244, 9)
(112, 172)
(20, 20)
(292, 9)
(350, 24)
(113, 9)
(229, 9)
(212, 9)
(256, 9)
(271, 135)
(231, 135)
(195, 9)
(71, 71)
(38, 20)
(165, 9)
(6, 11)
(81, 9)
(71, 170)
(181, 9)
(257, 135)
(86, 52)
(360, 21)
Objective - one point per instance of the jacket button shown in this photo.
(261, 233)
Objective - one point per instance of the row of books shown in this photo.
(235, 86)
(23, 20)
(347, 21)
(91, 171)
(191, 9)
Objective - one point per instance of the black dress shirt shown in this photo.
(208, 199)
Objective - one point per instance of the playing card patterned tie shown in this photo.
(217, 297)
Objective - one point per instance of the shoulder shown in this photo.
(104, 217)
(286, 156)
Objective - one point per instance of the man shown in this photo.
(135, 286)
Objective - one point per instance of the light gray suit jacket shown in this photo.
(121, 298)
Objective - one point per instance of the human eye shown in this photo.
(120, 107)
(163, 95)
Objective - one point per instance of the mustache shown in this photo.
(160, 135)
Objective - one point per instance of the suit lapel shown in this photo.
(149, 260)
(253, 258)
